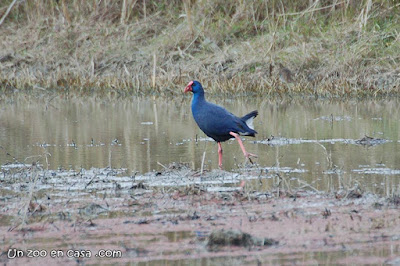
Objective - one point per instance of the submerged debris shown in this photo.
(332, 118)
(355, 193)
(9, 166)
(395, 200)
(92, 210)
(36, 207)
(139, 185)
(377, 171)
(370, 141)
(219, 238)
(281, 141)
(326, 213)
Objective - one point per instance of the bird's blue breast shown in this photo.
(213, 120)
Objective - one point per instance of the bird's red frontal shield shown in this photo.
(189, 87)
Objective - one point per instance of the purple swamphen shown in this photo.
(219, 124)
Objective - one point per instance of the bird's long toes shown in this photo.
(248, 155)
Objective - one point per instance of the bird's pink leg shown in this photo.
(220, 155)
(246, 154)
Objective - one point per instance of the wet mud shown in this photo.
(185, 216)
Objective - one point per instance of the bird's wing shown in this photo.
(216, 120)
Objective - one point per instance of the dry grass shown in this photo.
(332, 47)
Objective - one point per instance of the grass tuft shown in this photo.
(332, 48)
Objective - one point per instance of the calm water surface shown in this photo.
(315, 138)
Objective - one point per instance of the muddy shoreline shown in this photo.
(136, 219)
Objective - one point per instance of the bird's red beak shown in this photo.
(189, 87)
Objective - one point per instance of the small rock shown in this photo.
(219, 238)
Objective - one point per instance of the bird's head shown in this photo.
(194, 86)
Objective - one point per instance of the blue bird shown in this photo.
(219, 124)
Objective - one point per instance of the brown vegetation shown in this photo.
(331, 47)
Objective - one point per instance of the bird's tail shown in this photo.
(248, 119)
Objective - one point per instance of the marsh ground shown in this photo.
(98, 209)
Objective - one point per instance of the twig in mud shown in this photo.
(55, 226)
(186, 174)
(165, 168)
(202, 163)
(328, 157)
(307, 185)
(46, 153)
(134, 176)
(289, 190)
(91, 181)
(260, 174)
(25, 207)
(72, 185)
(32, 156)
(247, 215)
(279, 184)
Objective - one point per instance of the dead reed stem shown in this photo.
(32, 186)
(154, 70)
(188, 12)
(7, 12)
(123, 12)
(202, 162)
(66, 12)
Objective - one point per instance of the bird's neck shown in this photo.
(198, 98)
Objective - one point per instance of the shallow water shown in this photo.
(315, 141)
